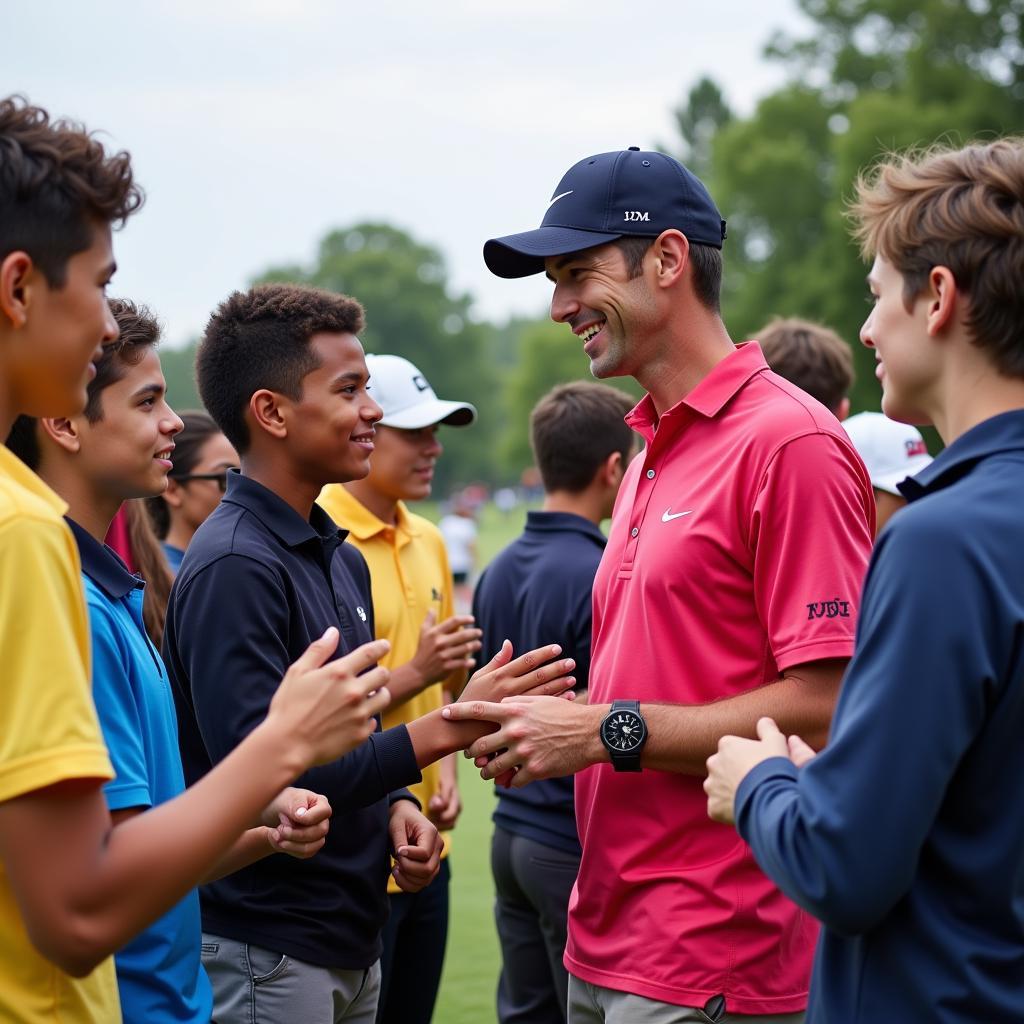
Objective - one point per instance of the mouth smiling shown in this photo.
(588, 333)
(366, 438)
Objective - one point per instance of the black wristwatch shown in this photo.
(624, 733)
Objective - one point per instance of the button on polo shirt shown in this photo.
(741, 557)
(257, 585)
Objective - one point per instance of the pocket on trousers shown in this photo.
(264, 964)
(209, 950)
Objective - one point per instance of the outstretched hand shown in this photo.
(531, 674)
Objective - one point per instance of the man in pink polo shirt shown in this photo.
(728, 591)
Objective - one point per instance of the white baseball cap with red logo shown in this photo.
(891, 451)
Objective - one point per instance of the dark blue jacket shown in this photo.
(257, 585)
(906, 835)
(537, 592)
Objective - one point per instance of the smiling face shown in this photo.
(192, 500)
(402, 467)
(63, 334)
(127, 452)
(609, 311)
(331, 427)
(906, 365)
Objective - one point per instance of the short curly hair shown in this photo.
(57, 183)
(962, 209)
(260, 339)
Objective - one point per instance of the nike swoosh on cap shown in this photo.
(668, 515)
(561, 195)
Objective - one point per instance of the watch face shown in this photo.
(624, 730)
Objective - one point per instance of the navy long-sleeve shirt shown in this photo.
(257, 585)
(905, 836)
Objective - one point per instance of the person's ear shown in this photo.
(843, 409)
(671, 254)
(17, 281)
(63, 432)
(942, 294)
(268, 411)
(612, 470)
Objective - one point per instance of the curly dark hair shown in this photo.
(56, 184)
(260, 339)
(139, 330)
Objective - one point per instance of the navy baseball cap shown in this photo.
(609, 196)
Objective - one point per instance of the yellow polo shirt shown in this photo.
(48, 726)
(409, 576)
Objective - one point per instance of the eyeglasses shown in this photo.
(221, 478)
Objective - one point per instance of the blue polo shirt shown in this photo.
(257, 585)
(537, 592)
(906, 835)
(159, 975)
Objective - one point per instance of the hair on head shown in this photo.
(260, 339)
(57, 183)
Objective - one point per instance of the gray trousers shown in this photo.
(253, 985)
(592, 1004)
(532, 883)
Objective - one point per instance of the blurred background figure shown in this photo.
(202, 457)
(891, 451)
(813, 357)
(459, 530)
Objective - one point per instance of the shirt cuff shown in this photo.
(396, 758)
(772, 768)
(403, 794)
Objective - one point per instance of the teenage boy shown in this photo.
(812, 357)
(539, 588)
(891, 452)
(281, 371)
(73, 887)
(116, 450)
(431, 648)
(906, 835)
(729, 587)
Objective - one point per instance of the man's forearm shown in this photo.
(251, 846)
(433, 737)
(682, 738)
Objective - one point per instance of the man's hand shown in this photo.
(445, 647)
(531, 674)
(416, 847)
(734, 760)
(537, 737)
(446, 805)
(297, 822)
(326, 710)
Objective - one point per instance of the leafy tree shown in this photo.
(872, 77)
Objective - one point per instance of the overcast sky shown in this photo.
(257, 126)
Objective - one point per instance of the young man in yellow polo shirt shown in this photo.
(72, 887)
(431, 648)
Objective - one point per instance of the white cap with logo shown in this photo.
(408, 401)
(891, 451)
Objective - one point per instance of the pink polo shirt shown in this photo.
(737, 549)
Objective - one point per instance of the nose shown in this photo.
(371, 411)
(866, 332)
(433, 447)
(564, 305)
(111, 332)
(175, 424)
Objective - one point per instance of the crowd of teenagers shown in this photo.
(757, 751)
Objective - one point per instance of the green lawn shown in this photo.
(472, 961)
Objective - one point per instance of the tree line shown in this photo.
(873, 76)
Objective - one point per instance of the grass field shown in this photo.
(472, 961)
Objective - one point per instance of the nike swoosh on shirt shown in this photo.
(668, 515)
(560, 196)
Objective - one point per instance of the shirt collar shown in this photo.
(1001, 433)
(561, 522)
(11, 466)
(710, 396)
(362, 523)
(103, 565)
(277, 515)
